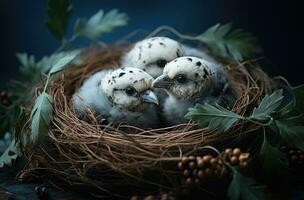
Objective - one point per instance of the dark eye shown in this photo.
(181, 78)
(131, 91)
(161, 63)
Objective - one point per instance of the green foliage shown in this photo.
(291, 133)
(299, 94)
(10, 154)
(244, 188)
(225, 42)
(273, 161)
(215, 117)
(64, 62)
(59, 12)
(100, 23)
(268, 106)
(32, 69)
(41, 116)
(8, 115)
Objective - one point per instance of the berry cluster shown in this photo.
(198, 170)
(5, 98)
(163, 196)
(294, 155)
(236, 158)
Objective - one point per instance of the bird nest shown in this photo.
(113, 159)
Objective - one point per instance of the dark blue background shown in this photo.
(277, 25)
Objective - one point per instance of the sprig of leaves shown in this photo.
(268, 106)
(213, 116)
(217, 117)
(100, 23)
(32, 69)
(41, 116)
(42, 112)
(227, 42)
(223, 41)
(59, 13)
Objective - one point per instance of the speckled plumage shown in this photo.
(153, 53)
(200, 81)
(105, 94)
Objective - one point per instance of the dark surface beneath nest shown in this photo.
(10, 189)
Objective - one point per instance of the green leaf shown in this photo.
(10, 154)
(244, 188)
(299, 94)
(100, 23)
(41, 116)
(215, 117)
(33, 69)
(225, 42)
(289, 100)
(28, 64)
(64, 62)
(59, 12)
(274, 162)
(291, 133)
(268, 106)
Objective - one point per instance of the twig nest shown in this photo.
(109, 157)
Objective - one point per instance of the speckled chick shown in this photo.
(191, 80)
(120, 95)
(152, 54)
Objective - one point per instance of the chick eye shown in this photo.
(161, 63)
(181, 78)
(130, 91)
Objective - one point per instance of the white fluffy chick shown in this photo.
(121, 95)
(191, 80)
(152, 54)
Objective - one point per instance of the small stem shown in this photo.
(65, 43)
(213, 149)
(259, 123)
(47, 82)
(172, 30)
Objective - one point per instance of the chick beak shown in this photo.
(150, 97)
(161, 82)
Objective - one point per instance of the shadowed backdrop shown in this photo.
(275, 24)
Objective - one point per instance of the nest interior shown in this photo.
(104, 156)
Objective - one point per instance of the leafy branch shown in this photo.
(99, 24)
(273, 113)
(222, 40)
(217, 117)
(42, 112)
(58, 15)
